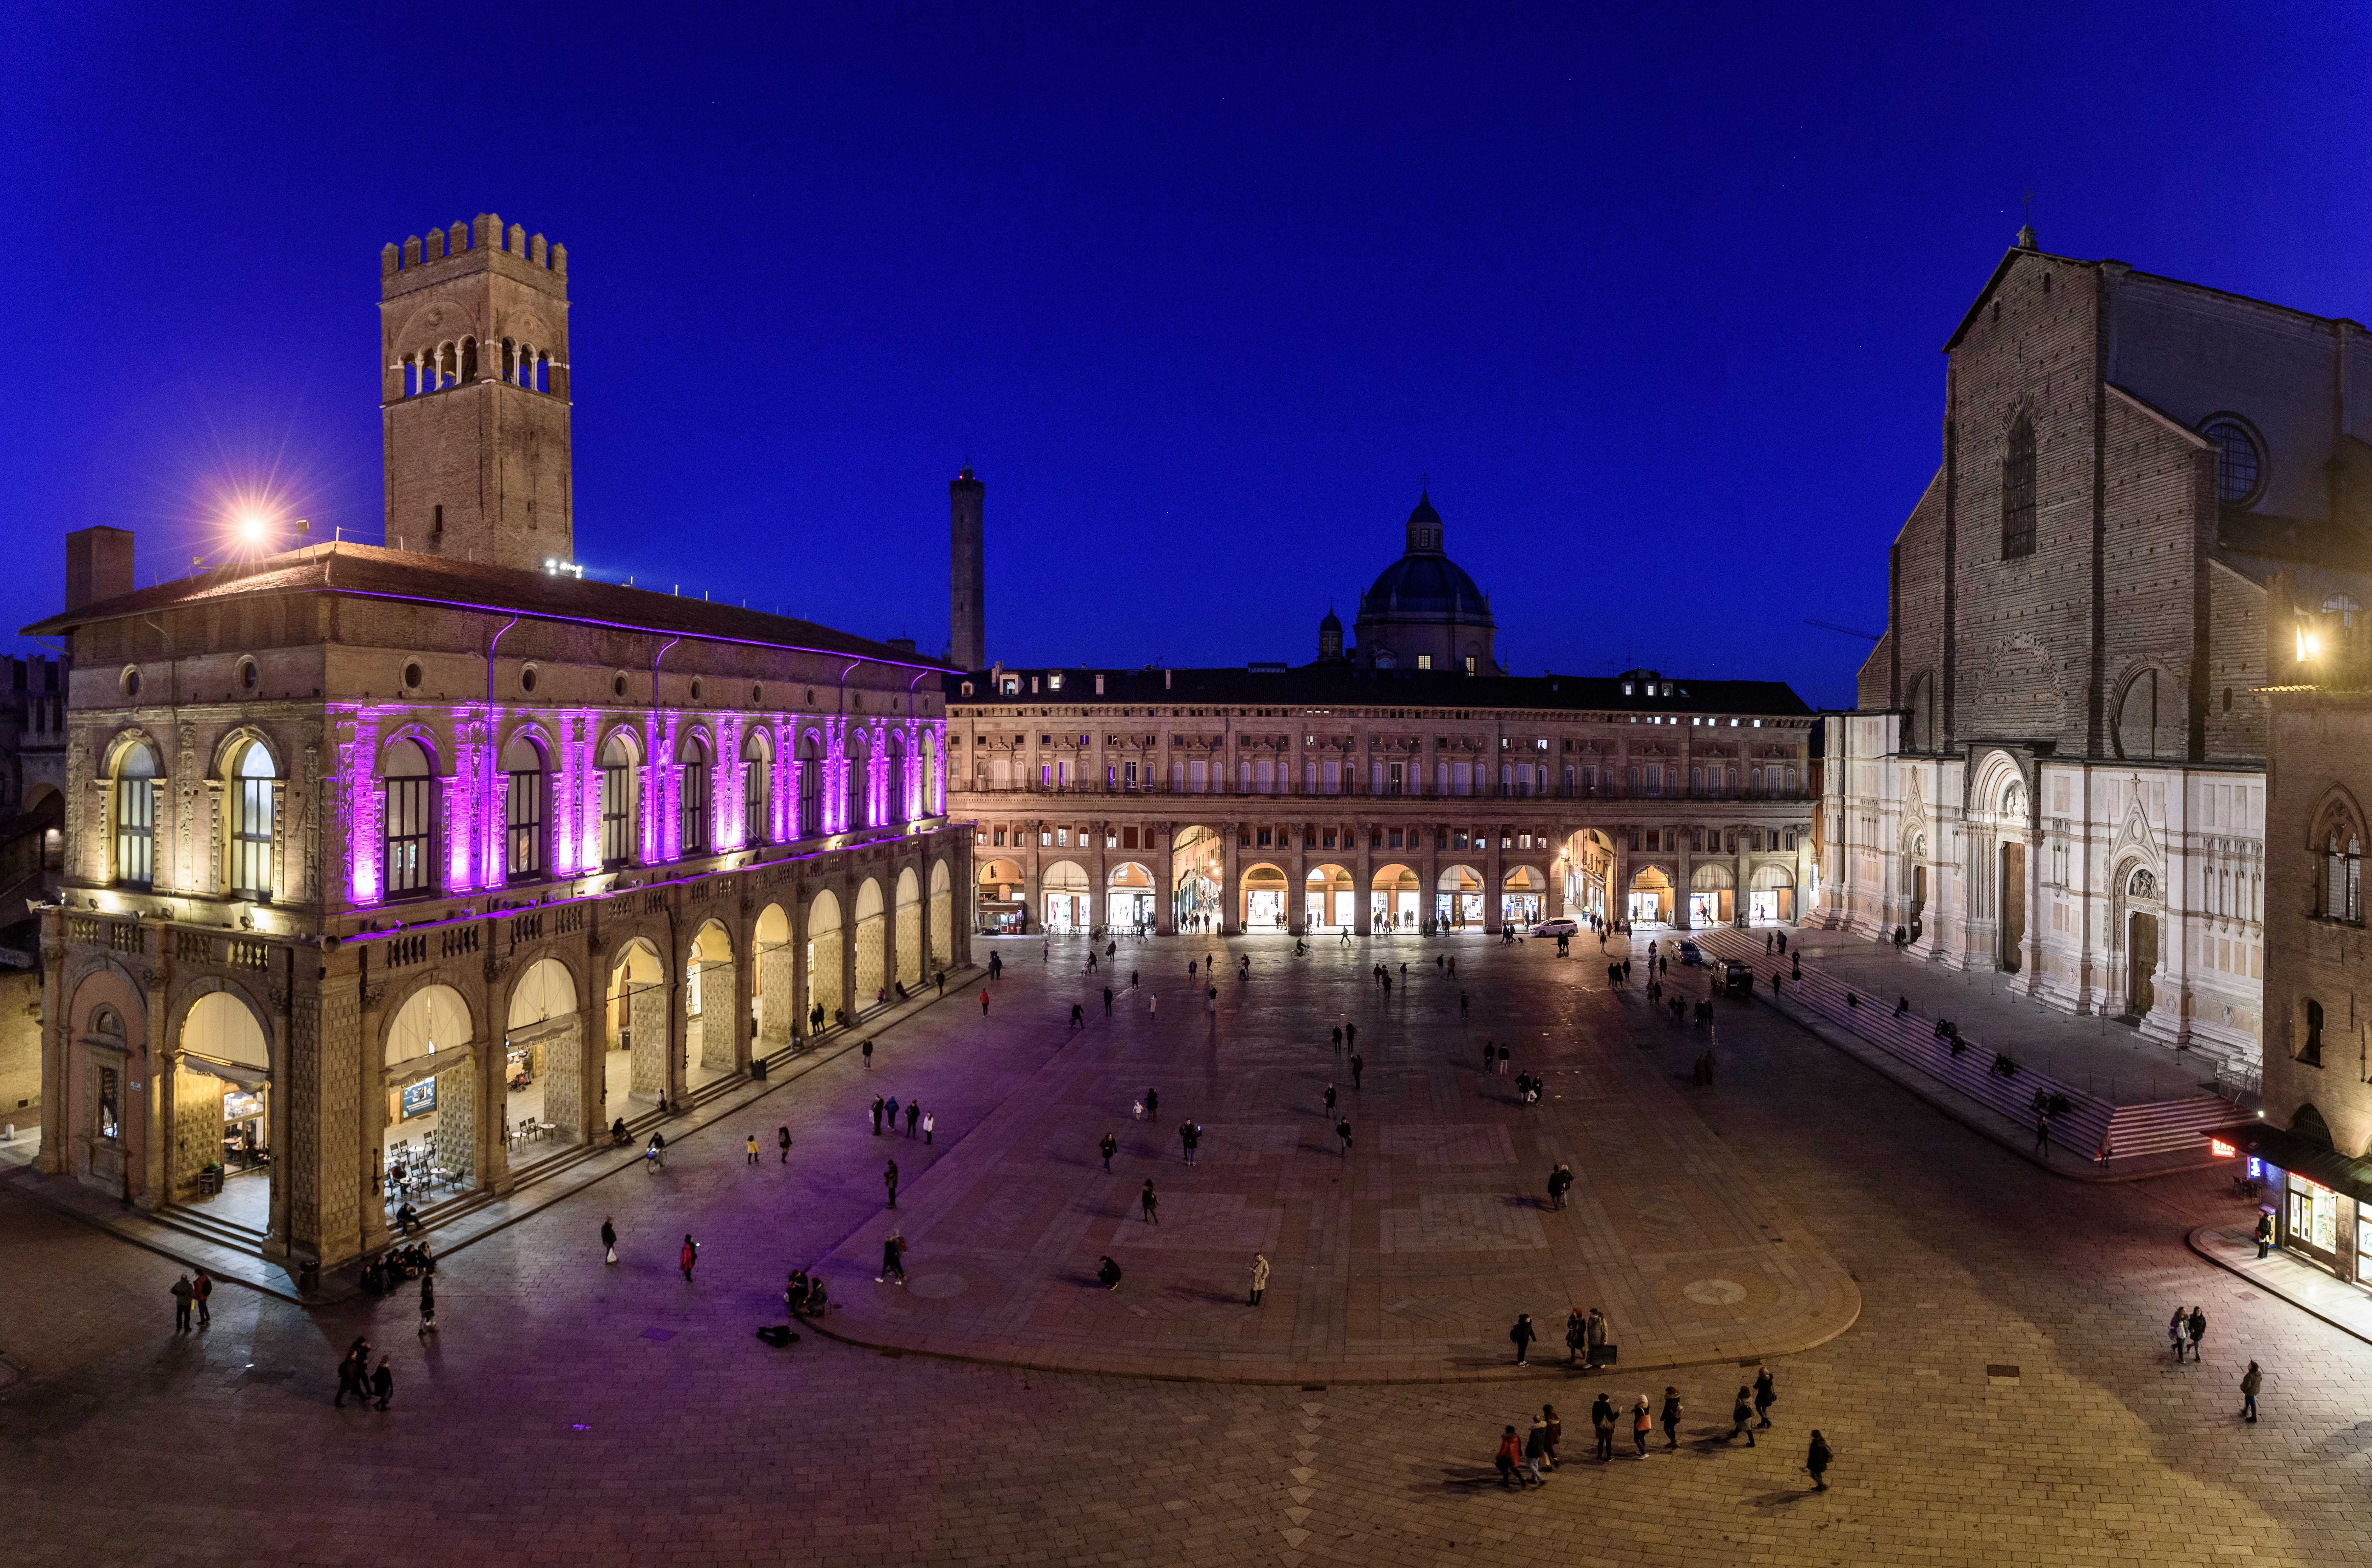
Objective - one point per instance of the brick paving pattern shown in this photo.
(567, 1412)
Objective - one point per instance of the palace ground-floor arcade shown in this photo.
(300, 1091)
(1385, 868)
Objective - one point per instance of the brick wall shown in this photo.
(2318, 744)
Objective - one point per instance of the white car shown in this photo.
(1557, 928)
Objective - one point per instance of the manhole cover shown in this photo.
(937, 1287)
(1714, 1293)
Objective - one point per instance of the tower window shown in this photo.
(438, 525)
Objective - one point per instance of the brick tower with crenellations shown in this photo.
(473, 349)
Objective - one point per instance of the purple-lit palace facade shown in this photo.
(403, 875)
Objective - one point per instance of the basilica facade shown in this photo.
(396, 874)
(2150, 496)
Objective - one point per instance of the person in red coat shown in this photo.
(690, 1256)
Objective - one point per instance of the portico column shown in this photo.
(1684, 881)
(1493, 886)
(1165, 889)
(1231, 918)
(1744, 902)
(1296, 882)
(678, 1009)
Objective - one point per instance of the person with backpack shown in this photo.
(1602, 1422)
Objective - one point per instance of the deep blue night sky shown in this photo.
(1656, 303)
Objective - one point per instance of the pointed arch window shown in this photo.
(2342, 878)
(2017, 491)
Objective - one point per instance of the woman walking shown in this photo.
(1260, 1277)
(609, 1241)
(427, 1305)
(688, 1257)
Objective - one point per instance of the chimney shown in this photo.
(966, 591)
(98, 565)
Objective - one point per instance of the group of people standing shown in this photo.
(1524, 1458)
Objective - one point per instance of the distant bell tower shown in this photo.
(473, 402)
(966, 591)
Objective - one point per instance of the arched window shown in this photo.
(692, 801)
(617, 801)
(404, 787)
(523, 808)
(896, 769)
(2342, 878)
(810, 760)
(250, 822)
(136, 815)
(756, 788)
(860, 769)
(2017, 491)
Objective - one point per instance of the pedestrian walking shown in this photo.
(1190, 1133)
(1109, 1147)
(1260, 1277)
(427, 1305)
(202, 1289)
(1765, 1395)
(1556, 1432)
(2264, 1234)
(1147, 1204)
(1510, 1451)
(867, 1049)
(1602, 1422)
(1741, 1416)
(1107, 1001)
(609, 1240)
(783, 1143)
(1078, 1016)
(1350, 1036)
(1358, 1065)
(930, 1125)
(1575, 1337)
(1330, 1099)
(1641, 1424)
(1338, 1040)
(877, 1116)
(1503, 1061)
(750, 1157)
(351, 1372)
(1536, 1450)
(913, 1115)
(889, 1179)
(184, 1294)
(1153, 1004)
(983, 1004)
(2198, 1327)
(1461, 1005)
(688, 1257)
(1816, 1460)
(1153, 1105)
(383, 1383)
(2043, 1134)
(1342, 1130)
(1490, 1056)
(1670, 1417)
(1521, 1336)
(893, 1115)
(2176, 1328)
(894, 1259)
(2251, 1382)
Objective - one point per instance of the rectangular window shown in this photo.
(405, 801)
(1063, 837)
(1128, 838)
(1395, 778)
(136, 831)
(617, 824)
(998, 838)
(250, 839)
(1654, 778)
(692, 813)
(111, 1101)
(1424, 661)
(523, 825)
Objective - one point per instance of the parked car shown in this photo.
(1691, 956)
(1557, 928)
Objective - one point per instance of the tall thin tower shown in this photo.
(967, 590)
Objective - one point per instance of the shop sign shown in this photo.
(2223, 1151)
(419, 1098)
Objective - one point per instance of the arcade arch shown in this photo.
(773, 984)
(1197, 879)
(1001, 905)
(1063, 897)
(1713, 894)
(1330, 899)
(1650, 896)
(1392, 899)
(709, 984)
(827, 997)
(1772, 896)
(1458, 900)
(943, 917)
(222, 1109)
(1523, 896)
(1128, 897)
(429, 1064)
(635, 1027)
(872, 941)
(909, 946)
(543, 1054)
(1267, 898)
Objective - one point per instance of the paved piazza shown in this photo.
(1982, 1341)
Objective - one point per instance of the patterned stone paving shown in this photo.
(571, 1413)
